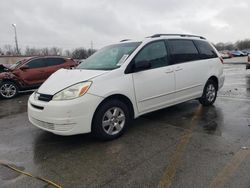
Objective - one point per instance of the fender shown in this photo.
(11, 77)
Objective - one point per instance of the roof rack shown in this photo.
(125, 40)
(181, 35)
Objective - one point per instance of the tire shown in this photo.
(111, 119)
(209, 93)
(8, 89)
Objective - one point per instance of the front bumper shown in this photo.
(67, 117)
(221, 81)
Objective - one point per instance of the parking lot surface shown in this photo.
(186, 145)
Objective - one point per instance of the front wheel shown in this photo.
(8, 90)
(110, 120)
(209, 93)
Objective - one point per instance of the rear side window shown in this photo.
(54, 61)
(36, 63)
(182, 51)
(205, 49)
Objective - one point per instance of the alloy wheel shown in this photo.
(8, 90)
(211, 92)
(113, 120)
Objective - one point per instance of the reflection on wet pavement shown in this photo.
(140, 157)
(180, 116)
(14, 106)
(237, 83)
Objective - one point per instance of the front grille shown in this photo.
(44, 97)
(43, 124)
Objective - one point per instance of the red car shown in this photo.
(30, 73)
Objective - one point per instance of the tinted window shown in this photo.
(205, 49)
(182, 51)
(54, 61)
(155, 53)
(36, 63)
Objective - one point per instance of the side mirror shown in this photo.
(141, 65)
(24, 67)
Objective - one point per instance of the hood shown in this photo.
(64, 78)
(7, 75)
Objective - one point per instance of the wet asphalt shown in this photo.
(186, 145)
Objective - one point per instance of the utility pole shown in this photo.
(91, 45)
(17, 49)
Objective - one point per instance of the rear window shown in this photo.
(205, 49)
(182, 51)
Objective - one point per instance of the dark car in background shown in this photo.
(247, 52)
(30, 73)
(237, 53)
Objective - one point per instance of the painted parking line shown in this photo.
(228, 171)
(234, 98)
(169, 173)
(49, 182)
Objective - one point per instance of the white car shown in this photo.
(123, 81)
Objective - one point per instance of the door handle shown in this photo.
(178, 69)
(169, 71)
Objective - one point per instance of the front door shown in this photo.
(155, 86)
(35, 74)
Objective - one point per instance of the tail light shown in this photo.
(222, 61)
(248, 59)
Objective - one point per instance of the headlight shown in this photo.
(73, 92)
(36, 95)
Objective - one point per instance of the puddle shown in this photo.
(211, 127)
(13, 106)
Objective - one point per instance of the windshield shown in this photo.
(110, 57)
(15, 65)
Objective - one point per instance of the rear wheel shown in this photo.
(209, 93)
(110, 120)
(8, 89)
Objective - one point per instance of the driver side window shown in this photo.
(155, 53)
(36, 63)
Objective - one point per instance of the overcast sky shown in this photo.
(74, 23)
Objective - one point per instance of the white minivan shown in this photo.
(123, 81)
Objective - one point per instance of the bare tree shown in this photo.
(1, 51)
(44, 51)
(9, 50)
(224, 46)
(79, 53)
(91, 51)
(32, 51)
(67, 53)
(82, 53)
(55, 51)
(243, 44)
